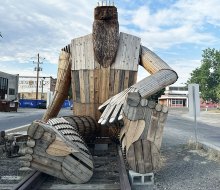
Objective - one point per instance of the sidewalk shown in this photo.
(209, 118)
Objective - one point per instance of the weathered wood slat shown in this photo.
(91, 86)
(48, 170)
(127, 55)
(153, 126)
(138, 149)
(155, 82)
(151, 61)
(141, 135)
(126, 80)
(47, 162)
(81, 187)
(59, 148)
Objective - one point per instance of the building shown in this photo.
(175, 96)
(8, 86)
(27, 87)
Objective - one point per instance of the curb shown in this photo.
(18, 129)
(210, 148)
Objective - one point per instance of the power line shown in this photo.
(38, 69)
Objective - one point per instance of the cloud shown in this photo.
(182, 22)
(46, 26)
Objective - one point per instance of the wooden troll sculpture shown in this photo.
(102, 69)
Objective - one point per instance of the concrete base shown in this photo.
(141, 181)
(101, 147)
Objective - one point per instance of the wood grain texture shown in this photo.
(157, 81)
(151, 62)
(128, 53)
(127, 57)
(62, 85)
(141, 139)
(83, 54)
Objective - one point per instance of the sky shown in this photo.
(176, 30)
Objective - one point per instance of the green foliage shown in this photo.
(156, 95)
(208, 75)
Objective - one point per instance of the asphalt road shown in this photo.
(25, 116)
(208, 131)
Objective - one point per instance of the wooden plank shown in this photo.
(126, 79)
(82, 87)
(86, 86)
(79, 170)
(102, 186)
(91, 86)
(147, 155)
(97, 83)
(116, 84)
(155, 82)
(104, 84)
(159, 132)
(127, 57)
(111, 83)
(83, 54)
(151, 62)
(59, 148)
(77, 87)
(47, 162)
(153, 126)
(132, 78)
(130, 133)
(130, 157)
(155, 156)
(121, 81)
(148, 112)
(138, 149)
(47, 170)
(73, 86)
(139, 130)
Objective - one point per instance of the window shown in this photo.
(3, 87)
(11, 91)
(177, 102)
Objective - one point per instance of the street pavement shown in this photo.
(24, 116)
(208, 125)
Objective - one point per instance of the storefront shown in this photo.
(8, 86)
(175, 97)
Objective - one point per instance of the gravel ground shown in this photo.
(10, 172)
(186, 169)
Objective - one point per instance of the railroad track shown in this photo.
(110, 174)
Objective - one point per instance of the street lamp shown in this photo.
(42, 85)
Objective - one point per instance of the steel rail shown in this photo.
(124, 181)
(32, 181)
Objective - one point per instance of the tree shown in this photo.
(208, 75)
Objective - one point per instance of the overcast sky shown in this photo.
(176, 30)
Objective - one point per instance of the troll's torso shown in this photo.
(92, 84)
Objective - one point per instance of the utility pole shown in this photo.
(38, 69)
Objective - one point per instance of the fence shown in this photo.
(25, 103)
